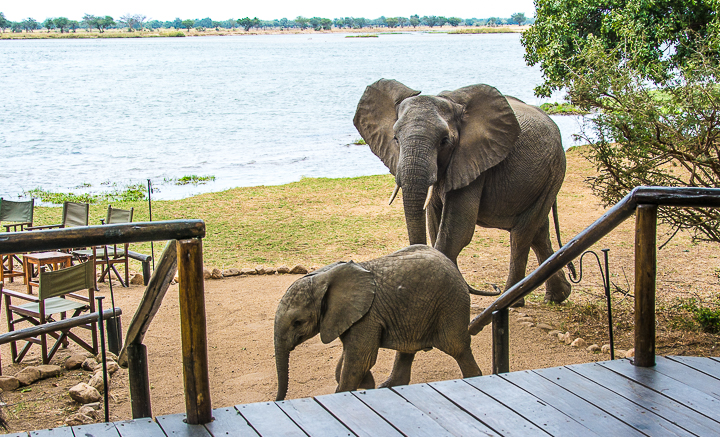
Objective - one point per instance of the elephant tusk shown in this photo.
(394, 194)
(429, 196)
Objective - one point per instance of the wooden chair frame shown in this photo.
(21, 213)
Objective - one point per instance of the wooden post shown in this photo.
(139, 381)
(645, 271)
(194, 332)
(500, 342)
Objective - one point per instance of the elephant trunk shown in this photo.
(417, 171)
(413, 202)
(282, 361)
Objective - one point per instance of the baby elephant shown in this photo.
(414, 299)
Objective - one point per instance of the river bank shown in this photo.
(156, 33)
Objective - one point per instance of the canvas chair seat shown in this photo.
(57, 294)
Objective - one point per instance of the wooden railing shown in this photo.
(644, 202)
(189, 234)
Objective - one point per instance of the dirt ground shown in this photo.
(240, 313)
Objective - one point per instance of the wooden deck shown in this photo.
(679, 396)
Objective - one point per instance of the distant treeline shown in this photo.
(133, 22)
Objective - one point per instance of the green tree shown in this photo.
(62, 23)
(518, 17)
(302, 22)
(431, 21)
(187, 24)
(248, 23)
(441, 21)
(132, 22)
(99, 23)
(650, 71)
(414, 20)
(326, 23)
(315, 23)
(4, 22)
(392, 22)
(402, 21)
(73, 24)
(492, 21)
(48, 24)
(454, 21)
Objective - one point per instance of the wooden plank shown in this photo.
(705, 365)
(269, 420)
(356, 416)
(688, 375)
(85, 236)
(400, 413)
(96, 430)
(152, 298)
(544, 416)
(444, 412)
(229, 421)
(574, 406)
(643, 396)
(63, 431)
(493, 414)
(313, 418)
(173, 424)
(139, 428)
(672, 388)
(642, 419)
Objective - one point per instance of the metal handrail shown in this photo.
(665, 196)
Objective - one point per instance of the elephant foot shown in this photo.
(518, 303)
(557, 288)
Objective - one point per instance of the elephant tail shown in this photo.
(570, 265)
(497, 291)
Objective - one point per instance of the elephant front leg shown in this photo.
(459, 217)
(557, 287)
(401, 371)
(367, 383)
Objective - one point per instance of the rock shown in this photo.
(525, 319)
(9, 383)
(521, 315)
(89, 411)
(112, 367)
(84, 394)
(620, 352)
(270, 270)
(176, 279)
(553, 333)
(605, 349)
(207, 274)
(527, 324)
(231, 272)
(79, 419)
(216, 274)
(49, 370)
(568, 338)
(259, 270)
(283, 270)
(28, 375)
(96, 381)
(90, 364)
(247, 271)
(108, 356)
(137, 279)
(298, 270)
(593, 348)
(74, 362)
(544, 326)
(630, 353)
(579, 343)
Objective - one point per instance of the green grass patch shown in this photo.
(191, 179)
(479, 30)
(365, 35)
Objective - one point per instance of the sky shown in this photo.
(218, 10)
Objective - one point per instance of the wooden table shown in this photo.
(52, 259)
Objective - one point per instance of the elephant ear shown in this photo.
(376, 115)
(349, 291)
(488, 132)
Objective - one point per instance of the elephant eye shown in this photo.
(298, 322)
(446, 142)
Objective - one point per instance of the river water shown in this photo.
(83, 115)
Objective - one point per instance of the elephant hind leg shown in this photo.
(467, 363)
(557, 287)
(402, 367)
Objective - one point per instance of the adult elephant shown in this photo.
(466, 157)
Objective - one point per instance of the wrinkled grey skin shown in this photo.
(493, 161)
(414, 299)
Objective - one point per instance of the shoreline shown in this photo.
(173, 33)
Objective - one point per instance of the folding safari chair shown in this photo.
(74, 214)
(107, 256)
(21, 214)
(57, 294)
